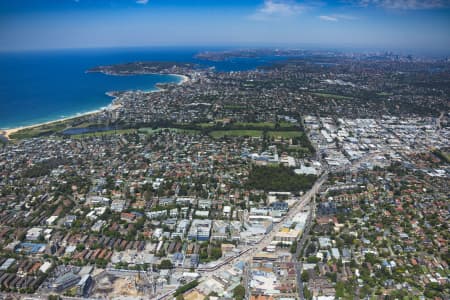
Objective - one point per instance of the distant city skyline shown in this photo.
(399, 25)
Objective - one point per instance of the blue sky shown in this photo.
(399, 25)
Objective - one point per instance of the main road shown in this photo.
(247, 254)
(300, 245)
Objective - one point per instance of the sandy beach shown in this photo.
(113, 106)
(8, 132)
(184, 78)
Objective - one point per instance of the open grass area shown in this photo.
(299, 148)
(325, 95)
(221, 133)
(205, 125)
(39, 130)
(265, 125)
(287, 125)
(269, 125)
(249, 125)
(152, 131)
(252, 129)
(84, 125)
(51, 128)
(103, 133)
(237, 124)
(284, 134)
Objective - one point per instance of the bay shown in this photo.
(43, 86)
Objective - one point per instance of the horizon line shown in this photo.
(305, 46)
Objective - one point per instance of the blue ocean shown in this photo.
(43, 86)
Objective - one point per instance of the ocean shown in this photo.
(43, 86)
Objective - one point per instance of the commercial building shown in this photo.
(287, 236)
(84, 285)
(200, 230)
(64, 282)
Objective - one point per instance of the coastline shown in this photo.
(6, 133)
(184, 78)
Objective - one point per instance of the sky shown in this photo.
(402, 25)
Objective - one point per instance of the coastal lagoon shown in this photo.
(42, 86)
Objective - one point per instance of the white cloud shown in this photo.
(277, 8)
(142, 1)
(328, 18)
(337, 17)
(405, 4)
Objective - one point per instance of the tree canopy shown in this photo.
(278, 178)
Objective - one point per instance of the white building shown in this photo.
(50, 221)
(33, 234)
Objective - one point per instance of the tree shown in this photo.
(307, 293)
(305, 276)
(371, 258)
(332, 276)
(278, 178)
(182, 289)
(165, 264)
(101, 262)
(216, 253)
(239, 292)
(80, 247)
(293, 247)
(312, 259)
(213, 294)
(340, 289)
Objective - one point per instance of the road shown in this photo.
(247, 254)
(300, 245)
(35, 296)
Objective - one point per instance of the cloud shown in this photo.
(277, 8)
(142, 1)
(337, 17)
(328, 18)
(405, 4)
